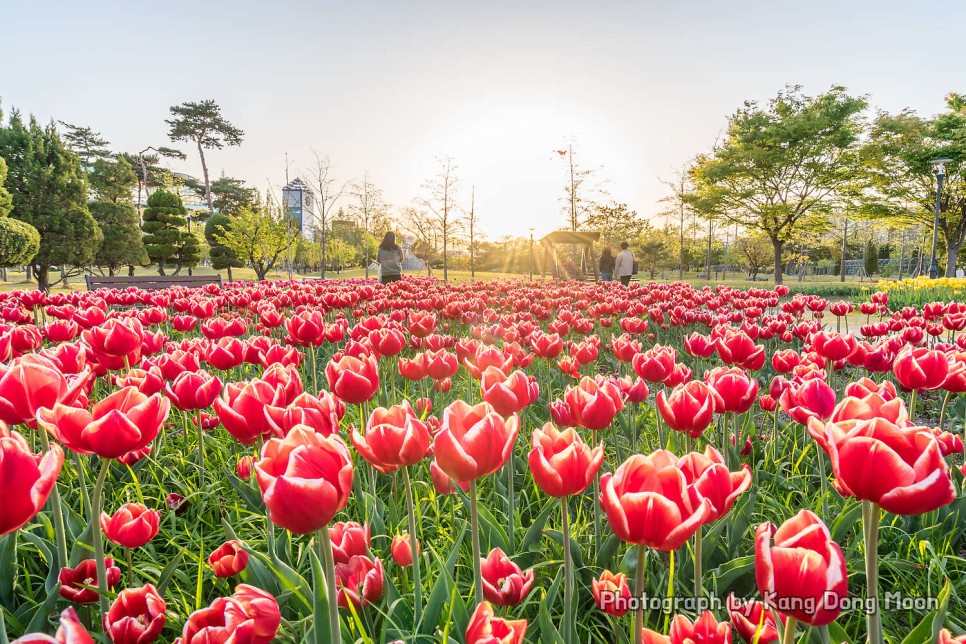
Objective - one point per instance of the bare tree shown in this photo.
(582, 191)
(471, 224)
(425, 233)
(328, 190)
(370, 209)
(440, 199)
(678, 207)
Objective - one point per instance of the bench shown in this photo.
(150, 282)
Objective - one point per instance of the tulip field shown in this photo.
(480, 462)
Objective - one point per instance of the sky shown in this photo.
(385, 87)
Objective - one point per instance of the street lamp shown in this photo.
(938, 165)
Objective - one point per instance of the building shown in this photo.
(299, 204)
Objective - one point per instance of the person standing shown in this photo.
(390, 258)
(624, 264)
(606, 265)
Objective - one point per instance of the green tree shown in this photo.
(259, 236)
(165, 238)
(86, 143)
(871, 258)
(898, 161)
(616, 223)
(781, 168)
(112, 183)
(19, 242)
(339, 252)
(220, 255)
(202, 124)
(49, 192)
(755, 252)
(652, 249)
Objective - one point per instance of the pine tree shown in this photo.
(165, 238)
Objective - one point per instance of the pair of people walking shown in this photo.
(621, 267)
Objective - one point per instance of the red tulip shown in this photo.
(72, 580)
(920, 369)
(261, 609)
(593, 404)
(184, 323)
(402, 552)
(358, 582)
(132, 526)
(228, 559)
(348, 540)
(708, 477)
(250, 615)
(70, 631)
(655, 364)
(442, 481)
(305, 478)
(421, 323)
(753, 621)
(800, 570)
(509, 394)
(737, 348)
(735, 389)
(648, 502)
(486, 628)
(634, 391)
(321, 414)
(901, 469)
(136, 616)
(705, 629)
(547, 346)
(148, 382)
(441, 364)
(561, 463)
(193, 390)
(244, 467)
(785, 360)
(126, 421)
(393, 438)
(814, 399)
(834, 346)
(116, 343)
(504, 584)
(945, 637)
(611, 593)
(690, 407)
(414, 369)
(31, 383)
(354, 380)
(27, 478)
(700, 346)
(474, 441)
(306, 329)
(241, 409)
(225, 353)
(176, 503)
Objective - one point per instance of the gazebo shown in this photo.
(572, 268)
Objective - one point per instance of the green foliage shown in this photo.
(6, 200)
(113, 180)
(259, 236)
(85, 142)
(782, 168)
(616, 223)
(19, 242)
(220, 255)
(165, 238)
(123, 241)
(50, 193)
(871, 258)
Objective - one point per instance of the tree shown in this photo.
(112, 182)
(260, 236)
(149, 173)
(370, 210)
(780, 168)
(616, 223)
(202, 124)
(471, 225)
(19, 242)
(228, 194)
(339, 252)
(86, 143)
(220, 255)
(165, 238)
(425, 234)
(756, 252)
(898, 161)
(581, 191)
(327, 191)
(440, 200)
(49, 192)
(871, 258)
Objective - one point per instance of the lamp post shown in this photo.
(938, 165)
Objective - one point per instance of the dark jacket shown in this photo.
(606, 264)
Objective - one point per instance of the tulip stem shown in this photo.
(568, 573)
(414, 547)
(328, 563)
(58, 512)
(96, 505)
(3, 628)
(639, 590)
(912, 406)
(698, 564)
(315, 383)
(942, 411)
(82, 480)
(596, 504)
(130, 568)
(790, 625)
(475, 533)
(510, 502)
(870, 527)
(201, 453)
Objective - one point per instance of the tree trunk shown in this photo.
(130, 270)
(230, 279)
(952, 255)
(322, 271)
(177, 269)
(777, 245)
(111, 271)
(43, 278)
(3, 274)
(161, 269)
(204, 169)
